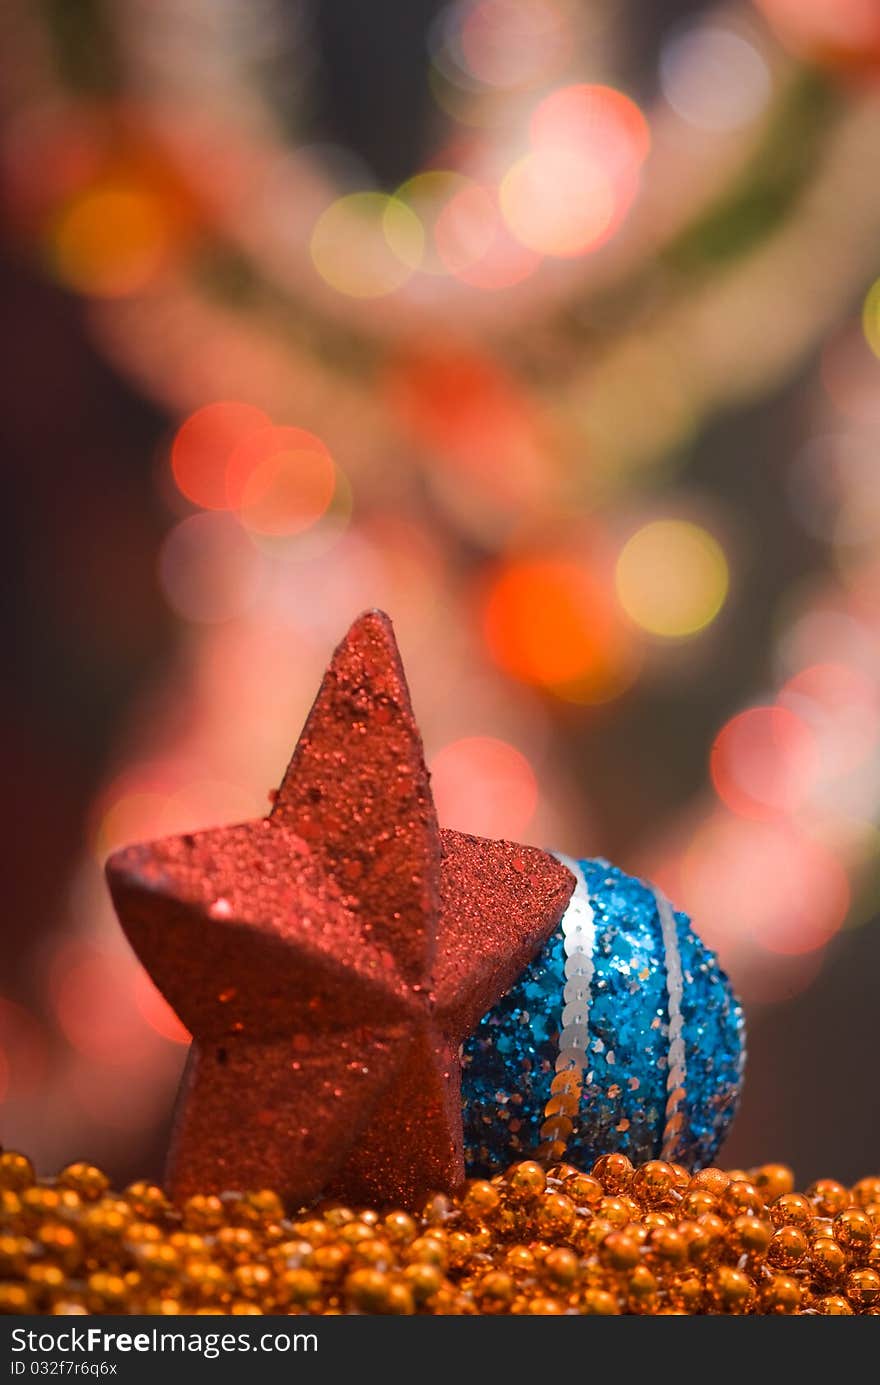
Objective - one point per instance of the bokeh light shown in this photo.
(570, 192)
(203, 445)
(476, 245)
(714, 78)
(672, 578)
(110, 240)
(841, 706)
(95, 1005)
(484, 786)
(280, 480)
(366, 244)
(841, 33)
(209, 571)
(551, 622)
(763, 883)
(512, 43)
(764, 762)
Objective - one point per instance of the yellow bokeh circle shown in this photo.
(672, 578)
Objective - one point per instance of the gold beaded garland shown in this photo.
(534, 1240)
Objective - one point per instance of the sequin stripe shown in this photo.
(676, 1069)
(572, 1061)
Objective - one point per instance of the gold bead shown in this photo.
(203, 1279)
(400, 1228)
(791, 1209)
(561, 1267)
(157, 1260)
(331, 1261)
(740, 1196)
(620, 1251)
(146, 1199)
(544, 1307)
(667, 1246)
(105, 1290)
(654, 1184)
(460, 1246)
(853, 1230)
(16, 1298)
(368, 1291)
(481, 1198)
(697, 1201)
(424, 1281)
(495, 1291)
(426, 1250)
(781, 1294)
(599, 1302)
(10, 1207)
(614, 1172)
(787, 1247)
(16, 1170)
(525, 1181)
(614, 1210)
(235, 1243)
(827, 1259)
(584, 1190)
(554, 1215)
(299, 1286)
(773, 1181)
(203, 1212)
(373, 1251)
(400, 1299)
(642, 1290)
(749, 1235)
(519, 1260)
(710, 1180)
(61, 1242)
(251, 1280)
(731, 1290)
(705, 1238)
(85, 1179)
(834, 1305)
(863, 1288)
(828, 1196)
(15, 1252)
(866, 1191)
(244, 1307)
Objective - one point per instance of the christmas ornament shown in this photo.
(622, 1034)
(647, 1240)
(330, 959)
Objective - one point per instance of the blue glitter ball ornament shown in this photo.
(622, 1034)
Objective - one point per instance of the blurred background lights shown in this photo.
(367, 244)
(714, 78)
(484, 786)
(551, 622)
(567, 195)
(513, 43)
(763, 882)
(476, 245)
(557, 203)
(764, 762)
(203, 445)
(209, 571)
(110, 240)
(672, 578)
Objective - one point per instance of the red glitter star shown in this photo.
(330, 959)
